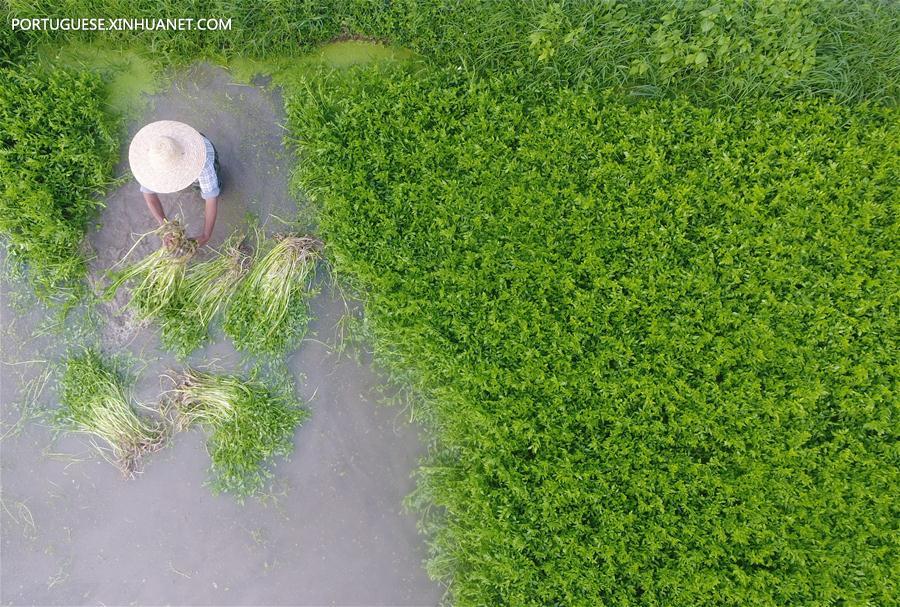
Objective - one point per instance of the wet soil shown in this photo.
(332, 529)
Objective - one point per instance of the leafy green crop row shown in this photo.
(658, 342)
(58, 146)
(719, 49)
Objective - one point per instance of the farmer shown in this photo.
(168, 156)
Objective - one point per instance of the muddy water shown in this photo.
(332, 530)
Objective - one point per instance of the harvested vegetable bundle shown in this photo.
(249, 424)
(268, 312)
(204, 291)
(94, 400)
(160, 273)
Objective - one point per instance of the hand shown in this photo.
(168, 240)
(202, 240)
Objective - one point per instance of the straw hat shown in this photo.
(166, 156)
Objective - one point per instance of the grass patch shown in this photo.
(94, 400)
(657, 341)
(58, 146)
(249, 425)
(269, 313)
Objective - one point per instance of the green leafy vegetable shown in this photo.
(159, 276)
(656, 342)
(94, 400)
(248, 425)
(268, 313)
(206, 289)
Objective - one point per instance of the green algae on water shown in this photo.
(286, 71)
(130, 75)
(355, 52)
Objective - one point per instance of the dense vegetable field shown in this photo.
(659, 340)
(58, 146)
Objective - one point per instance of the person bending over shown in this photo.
(168, 156)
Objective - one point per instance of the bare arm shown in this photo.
(212, 207)
(155, 206)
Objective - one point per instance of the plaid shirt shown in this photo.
(208, 180)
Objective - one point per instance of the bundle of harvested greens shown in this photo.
(268, 312)
(204, 291)
(94, 400)
(160, 274)
(249, 424)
